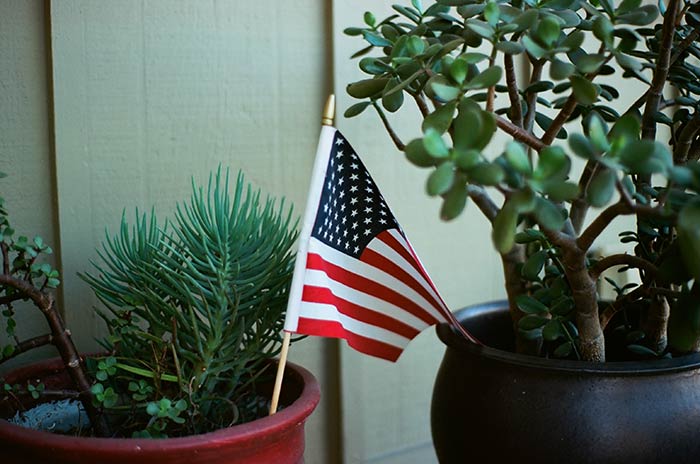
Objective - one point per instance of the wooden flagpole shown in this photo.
(326, 120)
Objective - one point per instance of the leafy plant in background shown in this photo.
(455, 62)
(25, 277)
(194, 310)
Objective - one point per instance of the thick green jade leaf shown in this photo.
(440, 119)
(518, 159)
(603, 29)
(589, 63)
(510, 48)
(356, 109)
(532, 321)
(434, 144)
(367, 88)
(548, 215)
(489, 174)
(445, 92)
(627, 128)
(492, 13)
(504, 225)
(562, 191)
(552, 164)
(547, 31)
(376, 39)
(459, 69)
(392, 101)
(564, 350)
(596, 131)
(602, 188)
(552, 331)
(561, 70)
(441, 179)
(454, 202)
(584, 90)
(473, 127)
(645, 157)
(689, 237)
(532, 268)
(417, 154)
(533, 48)
(465, 160)
(487, 78)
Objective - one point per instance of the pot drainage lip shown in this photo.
(625, 368)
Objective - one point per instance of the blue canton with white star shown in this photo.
(351, 211)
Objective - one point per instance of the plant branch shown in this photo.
(600, 223)
(621, 260)
(29, 344)
(579, 207)
(390, 130)
(663, 64)
(483, 201)
(685, 139)
(531, 99)
(422, 105)
(619, 304)
(519, 134)
(516, 109)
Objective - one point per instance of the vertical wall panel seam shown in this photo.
(51, 127)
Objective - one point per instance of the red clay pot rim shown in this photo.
(288, 418)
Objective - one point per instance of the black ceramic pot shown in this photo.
(491, 405)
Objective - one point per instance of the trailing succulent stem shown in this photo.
(445, 56)
(25, 278)
(195, 309)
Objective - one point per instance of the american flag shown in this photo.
(357, 276)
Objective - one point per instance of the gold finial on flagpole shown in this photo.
(329, 111)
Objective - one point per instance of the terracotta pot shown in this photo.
(491, 405)
(275, 439)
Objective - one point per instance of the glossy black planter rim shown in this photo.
(485, 310)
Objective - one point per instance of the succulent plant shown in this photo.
(194, 309)
(454, 61)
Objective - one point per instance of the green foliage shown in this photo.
(451, 59)
(194, 309)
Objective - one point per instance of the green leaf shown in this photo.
(561, 70)
(417, 154)
(547, 31)
(628, 5)
(445, 92)
(441, 179)
(434, 144)
(376, 39)
(480, 28)
(602, 188)
(529, 236)
(548, 215)
(459, 70)
(509, 48)
(392, 101)
(603, 30)
(440, 119)
(454, 202)
(574, 40)
(488, 174)
(487, 78)
(552, 331)
(589, 63)
(492, 13)
(533, 266)
(533, 48)
(356, 109)
(645, 157)
(415, 45)
(641, 16)
(564, 350)
(689, 237)
(596, 131)
(585, 92)
(473, 57)
(532, 321)
(562, 191)
(517, 158)
(467, 159)
(552, 164)
(367, 88)
(642, 350)
(504, 225)
(627, 62)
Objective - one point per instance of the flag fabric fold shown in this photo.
(356, 276)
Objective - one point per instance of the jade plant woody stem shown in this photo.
(60, 338)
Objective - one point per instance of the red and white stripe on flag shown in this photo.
(357, 276)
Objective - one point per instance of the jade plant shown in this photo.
(27, 277)
(195, 309)
(456, 63)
